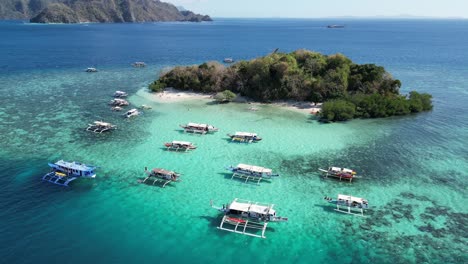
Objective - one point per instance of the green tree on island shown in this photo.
(348, 90)
(225, 96)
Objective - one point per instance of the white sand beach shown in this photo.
(171, 95)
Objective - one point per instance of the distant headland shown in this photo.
(347, 90)
(98, 11)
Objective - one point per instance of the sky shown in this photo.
(326, 8)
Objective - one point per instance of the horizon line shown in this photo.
(350, 17)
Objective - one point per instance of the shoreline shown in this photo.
(171, 95)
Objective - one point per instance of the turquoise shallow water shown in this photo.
(414, 167)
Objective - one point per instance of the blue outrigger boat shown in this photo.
(64, 172)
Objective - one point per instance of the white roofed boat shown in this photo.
(120, 94)
(99, 127)
(161, 176)
(228, 60)
(116, 108)
(245, 137)
(131, 113)
(199, 128)
(340, 173)
(349, 204)
(139, 64)
(250, 172)
(180, 146)
(91, 70)
(146, 107)
(119, 102)
(63, 172)
(247, 217)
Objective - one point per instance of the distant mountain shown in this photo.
(23, 9)
(103, 11)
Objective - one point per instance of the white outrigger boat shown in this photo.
(340, 173)
(116, 108)
(247, 218)
(161, 176)
(146, 107)
(139, 64)
(120, 94)
(99, 127)
(250, 172)
(228, 60)
(119, 102)
(244, 137)
(131, 113)
(63, 172)
(349, 204)
(91, 70)
(180, 146)
(199, 128)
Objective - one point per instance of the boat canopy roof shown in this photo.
(253, 168)
(120, 92)
(132, 110)
(163, 171)
(351, 198)
(245, 134)
(198, 125)
(100, 123)
(72, 165)
(119, 100)
(337, 169)
(181, 142)
(251, 207)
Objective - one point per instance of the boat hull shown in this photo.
(235, 138)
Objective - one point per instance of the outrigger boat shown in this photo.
(139, 64)
(228, 60)
(335, 26)
(119, 102)
(349, 204)
(340, 173)
(116, 108)
(161, 176)
(199, 128)
(180, 145)
(247, 218)
(120, 94)
(99, 127)
(244, 137)
(250, 172)
(63, 172)
(146, 107)
(91, 70)
(131, 113)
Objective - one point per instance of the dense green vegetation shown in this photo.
(225, 96)
(375, 105)
(350, 90)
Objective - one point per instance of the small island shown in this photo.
(347, 90)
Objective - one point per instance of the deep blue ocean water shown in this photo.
(415, 167)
